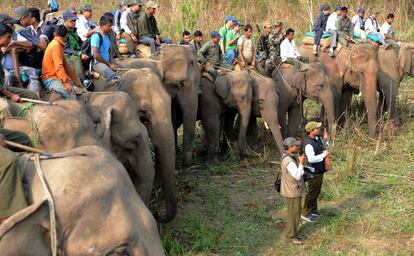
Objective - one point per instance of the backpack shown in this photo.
(54, 6)
(86, 45)
(278, 181)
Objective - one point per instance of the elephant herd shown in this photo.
(110, 146)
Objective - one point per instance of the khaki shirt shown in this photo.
(290, 187)
(210, 52)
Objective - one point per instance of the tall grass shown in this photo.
(176, 15)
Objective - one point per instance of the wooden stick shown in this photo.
(25, 148)
(16, 66)
(38, 101)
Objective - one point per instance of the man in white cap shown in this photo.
(129, 26)
(84, 24)
(372, 26)
(148, 29)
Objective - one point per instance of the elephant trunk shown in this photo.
(245, 112)
(327, 99)
(369, 92)
(162, 136)
(270, 116)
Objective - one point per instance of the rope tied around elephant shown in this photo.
(52, 211)
(28, 108)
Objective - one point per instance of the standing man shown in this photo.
(358, 22)
(331, 29)
(288, 51)
(129, 26)
(275, 39)
(57, 73)
(231, 43)
(344, 27)
(84, 24)
(148, 29)
(197, 42)
(292, 186)
(223, 32)
(100, 47)
(186, 38)
(372, 26)
(319, 26)
(389, 34)
(246, 48)
(73, 45)
(315, 153)
(117, 18)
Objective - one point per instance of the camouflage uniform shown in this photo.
(275, 39)
(263, 49)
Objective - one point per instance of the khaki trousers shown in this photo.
(293, 216)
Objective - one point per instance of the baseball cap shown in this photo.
(151, 4)
(361, 10)
(69, 16)
(290, 141)
(338, 8)
(236, 23)
(6, 19)
(85, 7)
(312, 125)
(215, 34)
(228, 18)
(21, 12)
(124, 2)
(71, 10)
(267, 25)
(139, 2)
(374, 11)
(325, 7)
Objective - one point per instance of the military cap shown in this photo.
(290, 141)
(151, 4)
(374, 10)
(312, 125)
(85, 7)
(21, 12)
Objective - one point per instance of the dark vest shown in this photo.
(317, 145)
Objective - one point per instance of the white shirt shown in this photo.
(310, 155)
(386, 29)
(124, 21)
(357, 22)
(331, 23)
(371, 25)
(295, 171)
(83, 26)
(288, 50)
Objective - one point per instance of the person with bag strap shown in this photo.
(292, 186)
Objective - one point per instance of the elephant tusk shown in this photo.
(266, 125)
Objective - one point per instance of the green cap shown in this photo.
(312, 125)
(374, 10)
(125, 2)
(21, 12)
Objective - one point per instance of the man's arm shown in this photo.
(70, 51)
(310, 154)
(124, 22)
(295, 171)
(58, 62)
(13, 97)
(201, 52)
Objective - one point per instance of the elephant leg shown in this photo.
(188, 103)
(228, 127)
(293, 121)
(282, 120)
(177, 120)
(252, 139)
(390, 101)
(344, 103)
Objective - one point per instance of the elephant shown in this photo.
(179, 71)
(106, 119)
(310, 81)
(97, 209)
(354, 68)
(230, 91)
(392, 68)
(154, 105)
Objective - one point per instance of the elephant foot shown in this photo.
(187, 158)
(212, 162)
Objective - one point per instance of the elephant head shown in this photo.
(153, 103)
(406, 59)
(235, 89)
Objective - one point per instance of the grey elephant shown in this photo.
(108, 119)
(97, 209)
(293, 86)
(154, 105)
(353, 69)
(178, 69)
(230, 91)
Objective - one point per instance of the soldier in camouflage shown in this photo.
(263, 44)
(275, 39)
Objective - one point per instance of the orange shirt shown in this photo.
(55, 66)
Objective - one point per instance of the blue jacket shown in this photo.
(320, 22)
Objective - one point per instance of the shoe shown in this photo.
(315, 213)
(387, 46)
(308, 218)
(331, 53)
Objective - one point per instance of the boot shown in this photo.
(331, 52)
(315, 49)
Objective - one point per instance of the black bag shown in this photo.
(278, 182)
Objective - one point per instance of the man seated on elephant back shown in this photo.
(288, 51)
(12, 195)
(344, 27)
(100, 47)
(129, 26)
(275, 39)
(57, 73)
(148, 29)
(210, 55)
(389, 33)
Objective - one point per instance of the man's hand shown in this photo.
(243, 63)
(15, 98)
(113, 67)
(134, 38)
(84, 57)
(69, 89)
(301, 159)
(118, 37)
(326, 152)
(3, 141)
(253, 65)
(158, 39)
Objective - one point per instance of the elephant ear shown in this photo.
(222, 86)
(106, 121)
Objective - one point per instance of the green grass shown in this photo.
(232, 209)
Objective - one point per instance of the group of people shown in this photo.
(344, 30)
